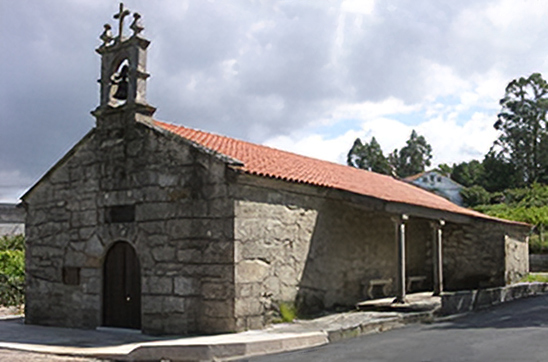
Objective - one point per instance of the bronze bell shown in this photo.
(121, 81)
(121, 92)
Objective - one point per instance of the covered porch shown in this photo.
(362, 251)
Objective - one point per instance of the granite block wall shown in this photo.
(316, 252)
(483, 254)
(517, 255)
(181, 229)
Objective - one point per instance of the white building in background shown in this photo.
(439, 184)
(12, 220)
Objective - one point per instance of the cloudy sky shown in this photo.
(307, 76)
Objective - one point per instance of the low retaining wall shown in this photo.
(470, 300)
(538, 263)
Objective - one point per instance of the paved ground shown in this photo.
(10, 311)
(131, 345)
(516, 331)
(21, 356)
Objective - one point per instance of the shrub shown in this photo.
(12, 270)
(16, 242)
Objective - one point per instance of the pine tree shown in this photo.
(523, 141)
(368, 156)
(413, 158)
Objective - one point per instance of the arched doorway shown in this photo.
(121, 287)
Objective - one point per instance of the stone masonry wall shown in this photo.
(538, 263)
(473, 255)
(182, 232)
(271, 247)
(517, 255)
(297, 247)
(57, 217)
(349, 248)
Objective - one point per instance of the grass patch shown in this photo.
(284, 312)
(288, 312)
(535, 277)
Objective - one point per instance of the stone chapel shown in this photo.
(169, 230)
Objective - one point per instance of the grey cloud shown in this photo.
(48, 88)
(280, 71)
(249, 69)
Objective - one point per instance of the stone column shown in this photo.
(437, 255)
(399, 222)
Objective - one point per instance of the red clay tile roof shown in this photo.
(269, 162)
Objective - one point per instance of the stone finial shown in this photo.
(120, 17)
(136, 25)
(106, 36)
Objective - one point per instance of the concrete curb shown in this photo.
(211, 348)
(471, 300)
(224, 351)
(379, 325)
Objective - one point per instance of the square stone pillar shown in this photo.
(399, 222)
(437, 255)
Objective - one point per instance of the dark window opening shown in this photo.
(71, 275)
(121, 213)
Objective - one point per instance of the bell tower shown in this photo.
(123, 75)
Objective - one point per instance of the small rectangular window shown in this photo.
(120, 213)
(71, 275)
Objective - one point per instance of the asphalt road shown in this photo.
(516, 331)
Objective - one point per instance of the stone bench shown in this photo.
(415, 281)
(383, 284)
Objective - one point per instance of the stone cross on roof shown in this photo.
(120, 17)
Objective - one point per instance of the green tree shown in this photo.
(522, 123)
(468, 173)
(499, 173)
(445, 169)
(413, 158)
(368, 156)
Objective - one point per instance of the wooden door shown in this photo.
(121, 287)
